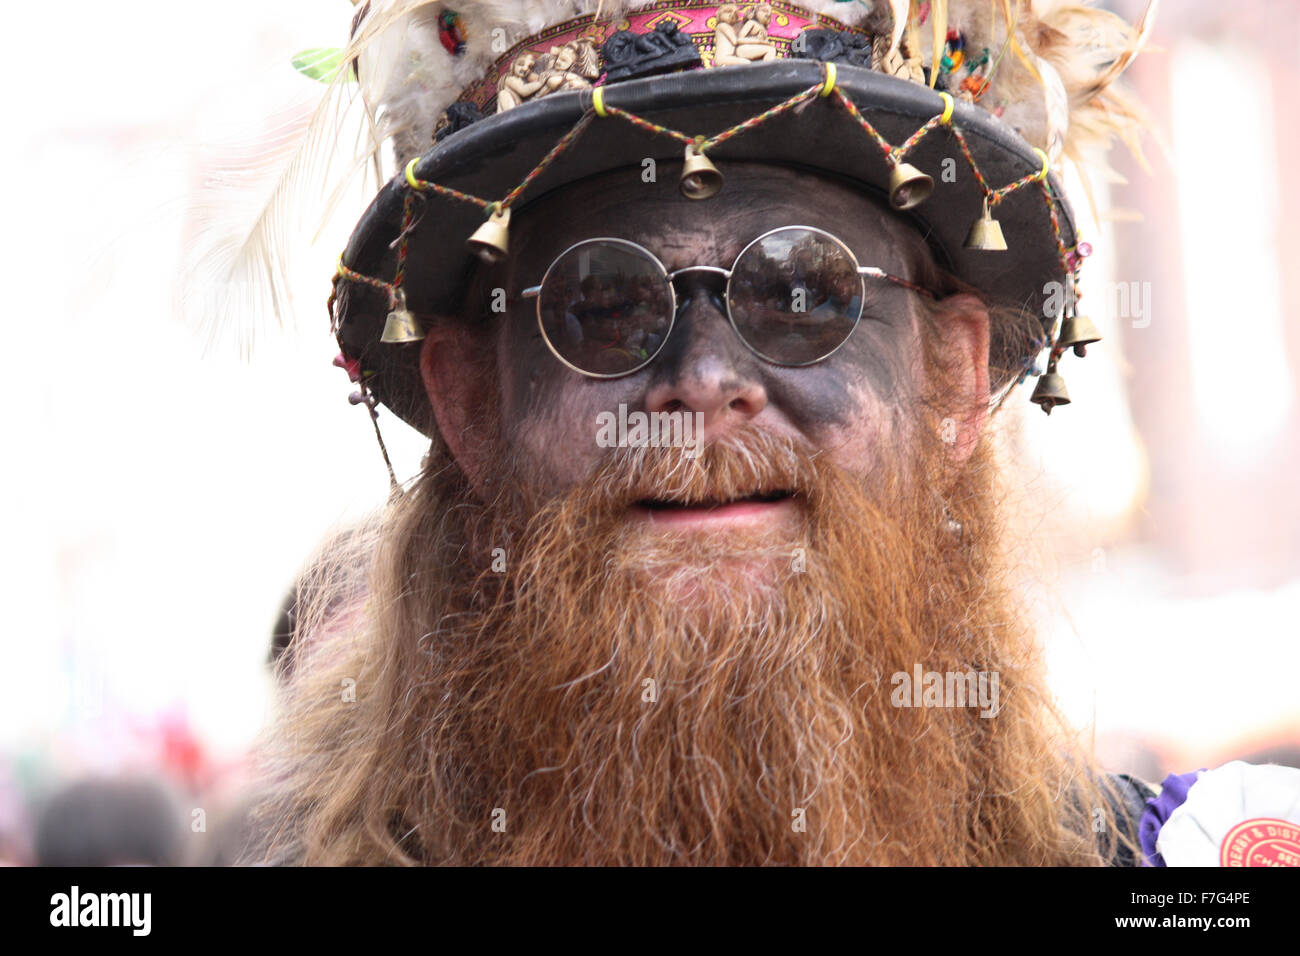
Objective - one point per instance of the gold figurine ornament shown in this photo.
(570, 67)
(521, 85)
(748, 43)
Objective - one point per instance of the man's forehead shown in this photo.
(683, 232)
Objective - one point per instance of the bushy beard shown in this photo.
(541, 680)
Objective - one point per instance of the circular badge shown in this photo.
(1263, 841)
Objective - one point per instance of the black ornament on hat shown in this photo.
(455, 118)
(833, 46)
(629, 55)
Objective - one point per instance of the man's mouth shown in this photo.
(747, 508)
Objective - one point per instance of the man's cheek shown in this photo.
(868, 372)
(857, 442)
(558, 433)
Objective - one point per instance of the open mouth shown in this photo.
(760, 507)
(711, 504)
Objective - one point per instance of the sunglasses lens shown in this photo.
(795, 296)
(605, 307)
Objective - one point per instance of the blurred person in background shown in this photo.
(111, 821)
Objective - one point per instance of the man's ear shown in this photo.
(451, 367)
(963, 347)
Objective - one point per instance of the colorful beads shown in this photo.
(451, 31)
(351, 366)
(1074, 258)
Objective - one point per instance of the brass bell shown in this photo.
(1078, 332)
(700, 178)
(400, 326)
(986, 234)
(908, 186)
(1050, 391)
(492, 239)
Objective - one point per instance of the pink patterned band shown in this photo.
(663, 37)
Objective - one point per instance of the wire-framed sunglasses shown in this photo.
(794, 296)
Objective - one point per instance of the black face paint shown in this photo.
(552, 406)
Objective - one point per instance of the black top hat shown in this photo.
(774, 83)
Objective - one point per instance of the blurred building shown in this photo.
(1194, 610)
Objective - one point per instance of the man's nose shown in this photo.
(704, 367)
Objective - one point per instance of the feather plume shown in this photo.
(1013, 25)
(250, 212)
(1057, 105)
(265, 199)
(1140, 34)
(1089, 49)
(900, 11)
(939, 36)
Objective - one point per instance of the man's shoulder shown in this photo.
(1239, 814)
(1128, 796)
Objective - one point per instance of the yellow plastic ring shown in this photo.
(1046, 164)
(829, 86)
(410, 175)
(598, 101)
(948, 104)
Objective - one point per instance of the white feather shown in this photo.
(260, 199)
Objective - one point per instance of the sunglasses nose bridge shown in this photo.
(691, 279)
(715, 270)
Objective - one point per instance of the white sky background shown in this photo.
(158, 501)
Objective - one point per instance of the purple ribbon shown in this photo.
(1173, 793)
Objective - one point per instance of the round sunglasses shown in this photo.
(794, 295)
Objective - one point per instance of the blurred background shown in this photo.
(160, 494)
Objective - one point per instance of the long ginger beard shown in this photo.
(551, 681)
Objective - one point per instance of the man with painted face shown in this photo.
(795, 642)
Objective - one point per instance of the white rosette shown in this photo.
(1252, 808)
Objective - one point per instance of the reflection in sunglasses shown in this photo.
(794, 296)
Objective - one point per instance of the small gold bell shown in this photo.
(700, 178)
(1078, 332)
(908, 186)
(492, 239)
(986, 234)
(400, 326)
(1050, 391)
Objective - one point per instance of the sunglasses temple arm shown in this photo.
(877, 273)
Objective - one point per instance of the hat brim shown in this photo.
(492, 156)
